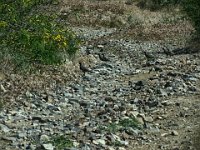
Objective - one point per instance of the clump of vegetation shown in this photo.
(62, 142)
(31, 38)
(117, 143)
(122, 124)
(192, 8)
(131, 122)
(113, 127)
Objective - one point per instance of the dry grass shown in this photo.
(116, 7)
(143, 24)
(90, 13)
(46, 78)
(196, 139)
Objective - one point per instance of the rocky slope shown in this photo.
(127, 101)
(138, 89)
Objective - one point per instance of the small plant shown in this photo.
(122, 124)
(117, 143)
(113, 127)
(62, 142)
(129, 122)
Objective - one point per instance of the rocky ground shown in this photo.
(124, 99)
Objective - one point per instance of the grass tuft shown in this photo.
(62, 142)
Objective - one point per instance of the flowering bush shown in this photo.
(43, 40)
(34, 38)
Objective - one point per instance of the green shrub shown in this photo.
(131, 122)
(34, 38)
(43, 40)
(192, 8)
(62, 142)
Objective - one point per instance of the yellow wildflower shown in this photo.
(3, 24)
(65, 43)
(58, 38)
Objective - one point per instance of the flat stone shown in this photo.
(48, 146)
(121, 148)
(99, 142)
(28, 94)
(12, 139)
(155, 130)
(162, 92)
(2, 76)
(175, 133)
(3, 88)
(22, 135)
(124, 143)
(111, 148)
(164, 134)
(166, 103)
(44, 138)
(4, 128)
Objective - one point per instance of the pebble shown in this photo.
(99, 141)
(175, 133)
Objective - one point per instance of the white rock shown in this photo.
(148, 119)
(4, 128)
(99, 141)
(44, 138)
(2, 76)
(164, 134)
(110, 148)
(76, 144)
(100, 46)
(124, 142)
(175, 133)
(2, 88)
(48, 146)
(28, 94)
(121, 148)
